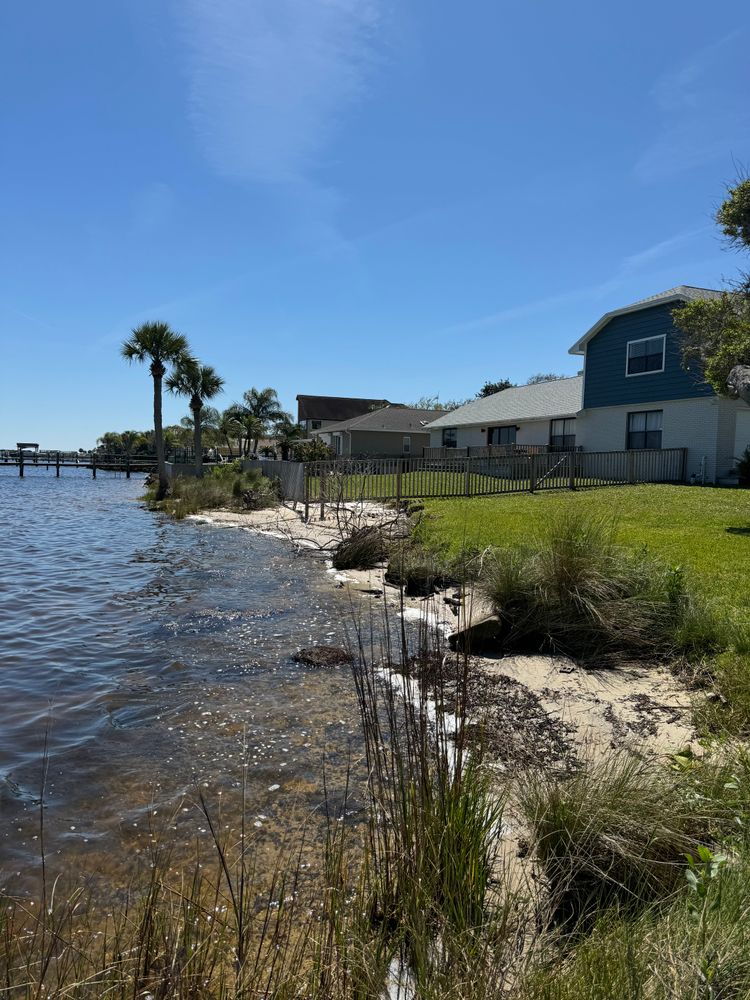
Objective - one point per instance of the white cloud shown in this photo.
(628, 266)
(702, 109)
(270, 79)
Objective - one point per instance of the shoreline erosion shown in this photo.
(542, 708)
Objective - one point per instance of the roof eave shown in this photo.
(579, 346)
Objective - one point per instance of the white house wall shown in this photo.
(475, 436)
(742, 431)
(687, 423)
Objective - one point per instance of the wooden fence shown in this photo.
(399, 479)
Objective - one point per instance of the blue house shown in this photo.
(637, 394)
(634, 394)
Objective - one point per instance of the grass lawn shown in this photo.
(413, 485)
(704, 530)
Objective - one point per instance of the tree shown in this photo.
(199, 383)
(490, 388)
(259, 408)
(158, 345)
(227, 427)
(543, 377)
(286, 434)
(264, 404)
(716, 332)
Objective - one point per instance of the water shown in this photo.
(156, 655)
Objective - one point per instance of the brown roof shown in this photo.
(335, 407)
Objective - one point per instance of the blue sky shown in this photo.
(354, 197)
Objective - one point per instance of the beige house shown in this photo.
(390, 432)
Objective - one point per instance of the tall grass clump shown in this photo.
(573, 590)
(435, 830)
(724, 710)
(222, 487)
(697, 947)
(617, 832)
(361, 548)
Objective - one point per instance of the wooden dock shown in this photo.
(57, 460)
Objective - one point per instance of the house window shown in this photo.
(644, 429)
(450, 436)
(407, 444)
(562, 434)
(337, 443)
(315, 425)
(645, 356)
(501, 435)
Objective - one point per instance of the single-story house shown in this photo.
(315, 412)
(392, 431)
(634, 394)
(542, 414)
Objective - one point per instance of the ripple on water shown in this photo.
(157, 653)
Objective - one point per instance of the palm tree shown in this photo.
(253, 428)
(227, 427)
(159, 345)
(286, 433)
(264, 404)
(200, 383)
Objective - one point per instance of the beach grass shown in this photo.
(706, 531)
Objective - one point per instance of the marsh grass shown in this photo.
(361, 548)
(574, 590)
(419, 892)
(222, 487)
(614, 834)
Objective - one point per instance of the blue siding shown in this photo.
(606, 383)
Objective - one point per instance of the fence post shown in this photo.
(57, 465)
(631, 466)
(571, 470)
(321, 489)
(467, 478)
(398, 480)
(306, 492)
(532, 472)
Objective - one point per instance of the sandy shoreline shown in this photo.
(539, 708)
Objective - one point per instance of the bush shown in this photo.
(616, 832)
(575, 591)
(419, 570)
(363, 548)
(222, 487)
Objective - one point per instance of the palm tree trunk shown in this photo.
(159, 441)
(197, 435)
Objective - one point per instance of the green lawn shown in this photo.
(413, 485)
(705, 530)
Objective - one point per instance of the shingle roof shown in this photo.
(334, 407)
(401, 419)
(680, 293)
(544, 400)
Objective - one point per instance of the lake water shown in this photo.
(156, 655)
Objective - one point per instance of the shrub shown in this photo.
(419, 570)
(223, 486)
(616, 832)
(363, 548)
(575, 591)
(313, 451)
